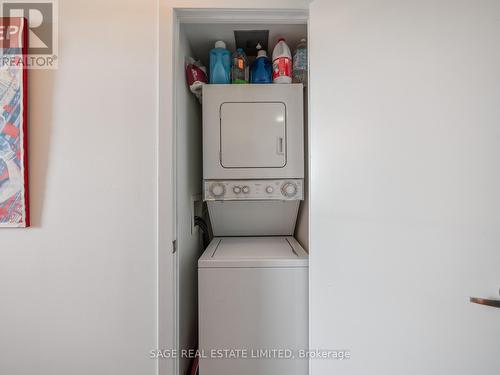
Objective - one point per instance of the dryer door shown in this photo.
(253, 135)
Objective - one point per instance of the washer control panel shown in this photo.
(230, 190)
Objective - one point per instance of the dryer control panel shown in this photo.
(230, 190)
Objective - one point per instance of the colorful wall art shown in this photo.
(14, 209)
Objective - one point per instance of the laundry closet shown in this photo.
(241, 203)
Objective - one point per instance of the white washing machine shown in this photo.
(253, 296)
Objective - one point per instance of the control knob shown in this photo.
(236, 189)
(217, 189)
(289, 189)
(246, 189)
(269, 189)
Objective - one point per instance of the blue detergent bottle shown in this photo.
(220, 64)
(262, 69)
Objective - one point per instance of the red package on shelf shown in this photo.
(196, 76)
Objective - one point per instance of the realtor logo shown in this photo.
(42, 25)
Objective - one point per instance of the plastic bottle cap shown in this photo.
(220, 44)
(261, 53)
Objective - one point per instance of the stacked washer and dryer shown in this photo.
(253, 277)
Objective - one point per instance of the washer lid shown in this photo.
(251, 252)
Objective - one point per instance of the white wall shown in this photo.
(405, 210)
(302, 226)
(188, 187)
(78, 290)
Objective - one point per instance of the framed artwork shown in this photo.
(14, 207)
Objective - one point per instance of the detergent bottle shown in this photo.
(220, 64)
(282, 63)
(239, 67)
(262, 69)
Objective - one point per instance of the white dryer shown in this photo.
(253, 158)
(253, 131)
(253, 294)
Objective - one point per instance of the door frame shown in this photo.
(169, 21)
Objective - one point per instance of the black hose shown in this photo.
(205, 230)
